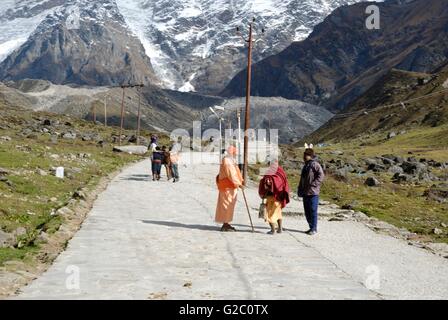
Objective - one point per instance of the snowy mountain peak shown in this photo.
(192, 44)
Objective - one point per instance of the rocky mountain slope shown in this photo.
(81, 42)
(192, 45)
(380, 108)
(292, 118)
(341, 59)
(163, 110)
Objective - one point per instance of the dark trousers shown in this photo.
(156, 167)
(175, 170)
(310, 204)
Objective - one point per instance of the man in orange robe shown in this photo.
(228, 181)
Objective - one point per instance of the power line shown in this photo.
(402, 103)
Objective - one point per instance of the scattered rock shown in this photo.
(4, 172)
(437, 194)
(19, 232)
(6, 239)
(79, 194)
(64, 211)
(43, 237)
(41, 172)
(437, 231)
(395, 169)
(391, 135)
(403, 178)
(5, 138)
(140, 150)
(69, 136)
(444, 225)
(372, 182)
(337, 152)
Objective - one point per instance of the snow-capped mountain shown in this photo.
(192, 44)
(81, 42)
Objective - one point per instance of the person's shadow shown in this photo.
(193, 226)
(137, 177)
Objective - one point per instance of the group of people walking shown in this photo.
(165, 157)
(273, 190)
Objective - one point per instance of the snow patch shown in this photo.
(8, 47)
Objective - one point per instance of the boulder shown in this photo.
(6, 239)
(437, 194)
(69, 136)
(396, 169)
(391, 135)
(372, 182)
(414, 168)
(140, 150)
(376, 167)
(5, 138)
(403, 178)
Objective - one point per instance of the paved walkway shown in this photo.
(158, 240)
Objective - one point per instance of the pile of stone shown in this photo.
(403, 170)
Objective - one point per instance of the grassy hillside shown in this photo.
(380, 110)
(404, 204)
(32, 144)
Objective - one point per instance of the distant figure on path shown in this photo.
(153, 143)
(309, 187)
(174, 160)
(167, 162)
(274, 188)
(228, 181)
(156, 164)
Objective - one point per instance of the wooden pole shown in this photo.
(105, 111)
(122, 116)
(138, 115)
(247, 111)
(248, 211)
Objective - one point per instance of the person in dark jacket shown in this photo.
(309, 187)
(156, 162)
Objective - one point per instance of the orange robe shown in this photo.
(228, 181)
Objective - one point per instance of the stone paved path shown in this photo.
(158, 240)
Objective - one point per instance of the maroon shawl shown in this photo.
(276, 184)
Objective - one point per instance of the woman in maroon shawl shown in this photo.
(274, 188)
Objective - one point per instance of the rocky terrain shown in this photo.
(341, 59)
(85, 43)
(292, 118)
(163, 110)
(192, 45)
(39, 212)
(381, 108)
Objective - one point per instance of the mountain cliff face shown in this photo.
(192, 44)
(341, 59)
(82, 42)
(380, 109)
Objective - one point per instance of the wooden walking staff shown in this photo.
(248, 211)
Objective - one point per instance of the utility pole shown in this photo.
(122, 110)
(248, 91)
(105, 110)
(139, 115)
(238, 115)
(94, 113)
(122, 115)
